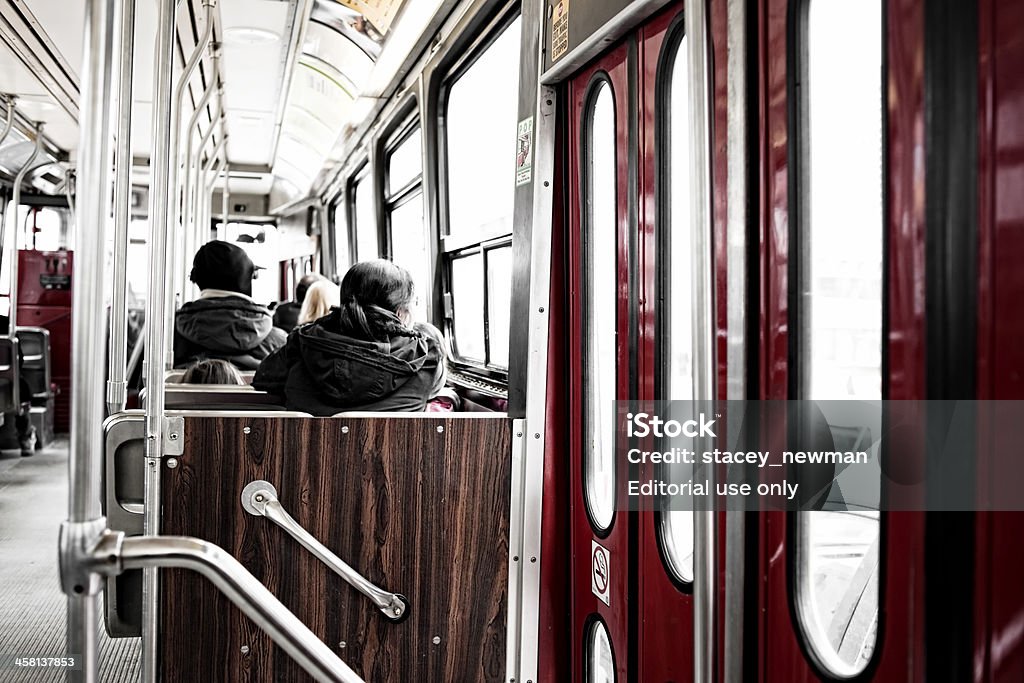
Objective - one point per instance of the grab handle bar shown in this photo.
(259, 498)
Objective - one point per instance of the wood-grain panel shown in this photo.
(418, 511)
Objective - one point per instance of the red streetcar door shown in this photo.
(602, 239)
(630, 570)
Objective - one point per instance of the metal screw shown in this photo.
(533, 559)
(515, 559)
(547, 184)
(440, 429)
(344, 430)
(172, 463)
(247, 430)
(245, 649)
(519, 435)
(258, 497)
(540, 310)
(342, 644)
(173, 436)
(396, 610)
(537, 435)
(437, 640)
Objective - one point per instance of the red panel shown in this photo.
(999, 592)
(44, 300)
(585, 603)
(44, 278)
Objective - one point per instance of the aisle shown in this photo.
(33, 503)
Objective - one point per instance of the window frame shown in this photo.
(449, 247)
(672, 47)
(798, 201)
(363, 173)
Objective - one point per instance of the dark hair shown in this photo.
(305, 282)
(375, 300)
(212, 371)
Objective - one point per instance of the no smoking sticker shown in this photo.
(600, 567)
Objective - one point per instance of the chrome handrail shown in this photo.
(259, 498)
(117, 385)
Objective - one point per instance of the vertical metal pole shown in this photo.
(156, 315)
(88, 302)
(117, 386)
(225, 195)
(735, 520)
(189, 159)
(12, 248)
(192, 191)
(172, 219)
(701, 218)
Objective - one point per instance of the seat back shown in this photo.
(123, 503)
(10, 400)
(216, 397)
(35, 366)
(417, 504)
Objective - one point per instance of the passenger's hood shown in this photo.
(351, 371)
(227, 324)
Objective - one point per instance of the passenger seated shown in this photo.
(286, 315)
(321, 297)
(363, 356)
(224, 322)
(212, 371)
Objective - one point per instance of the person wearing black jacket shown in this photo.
(363, 355)
(224, 322)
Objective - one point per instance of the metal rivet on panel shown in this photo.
(245, 649)
(537, 435)
(541, 309)
(247, 430)
(344, 430)
(437, 640)
(342, 644)
(519, 435)
(515, 559)
(533, 559)
(440, 429)
(173, 436)
(172, 463)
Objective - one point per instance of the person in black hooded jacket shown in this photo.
(363, 355)
(224, 322)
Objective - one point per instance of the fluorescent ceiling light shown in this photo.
(250, 35)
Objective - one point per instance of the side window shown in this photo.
(403, 208)
(343, 259)
(365, 216)
(599, 311)
(676, 336)
(479, 142)
(840, 254)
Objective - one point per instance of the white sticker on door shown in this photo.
(600, 566)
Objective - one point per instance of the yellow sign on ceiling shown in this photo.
(380, 13)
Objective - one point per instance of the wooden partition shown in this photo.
(418, 505)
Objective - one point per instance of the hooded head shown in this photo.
(222, 265)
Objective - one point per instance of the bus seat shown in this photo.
(123, 503)
(216, 397)
(9, 399)
(416, 503)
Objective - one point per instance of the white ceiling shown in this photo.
(255, 62)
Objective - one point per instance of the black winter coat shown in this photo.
(322, 372)
(232, 328)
